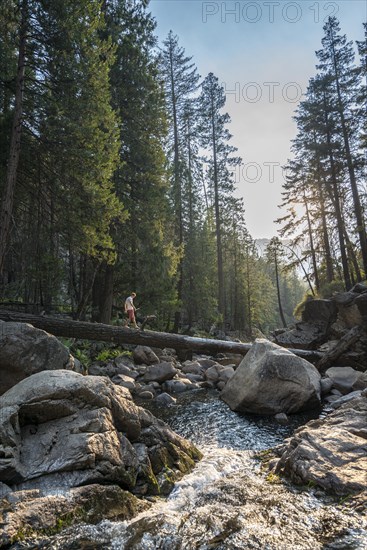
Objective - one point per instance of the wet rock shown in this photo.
(179, 386)
(330, 452)
(326, 385)
(26, 513)
(165, 399)
(282, 419)
(160, 372)
(144, 355)
(271, 380)
(331, 398)
(25, 350)
(4, 490)
(339, 401)
(61, 429)
(346, 379)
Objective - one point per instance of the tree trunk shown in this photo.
(325, 234)
(120, 335)
(14, 153)
(107, 296)
(343, 345)
(218, 231)
(102, 294)
(313, 252)
(334, 192)
(178, 197)
(278, 292)
(352, 178)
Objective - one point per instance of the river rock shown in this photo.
(326, 385)
(230, 359)
(282, 419)
(226, 374)
(212, 373)
(270, 380)
(25, 350)
(206, 363)
(330, 452)
(25, 513)
(346, 379)
(144, 355)
(61, 429)
(165, 399)
(125, 381)
(100, 369)
(340, 400)
(179, 386)
(324, 311)
(160, 372)
(147, 395)
(306, 336)
(192, 367)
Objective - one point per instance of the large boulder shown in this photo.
(321, 311)
(271, 380)
(303, 336)
(25, 350)
(330, 452)
(30, 513)
(317, 318)
(61, 429)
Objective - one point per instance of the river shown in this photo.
(229, 501)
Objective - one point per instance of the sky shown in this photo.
(263, 52)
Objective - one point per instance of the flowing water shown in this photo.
(227, 502)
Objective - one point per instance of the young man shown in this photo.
(130, 310)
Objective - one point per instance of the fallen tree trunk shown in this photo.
(343, 345)
(122, 335)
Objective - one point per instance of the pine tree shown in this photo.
(215, 137)
(181, 82)
(274, 253)
(336, 60)
(147, 257)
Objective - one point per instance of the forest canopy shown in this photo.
(117, 174)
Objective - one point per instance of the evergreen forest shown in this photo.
(117, 174)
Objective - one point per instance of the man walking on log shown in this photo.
(130, 310)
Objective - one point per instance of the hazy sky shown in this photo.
(264, 54)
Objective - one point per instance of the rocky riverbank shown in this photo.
(77, 448)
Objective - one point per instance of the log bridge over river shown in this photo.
(122, 335)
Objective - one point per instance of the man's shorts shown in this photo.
(131, 314)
